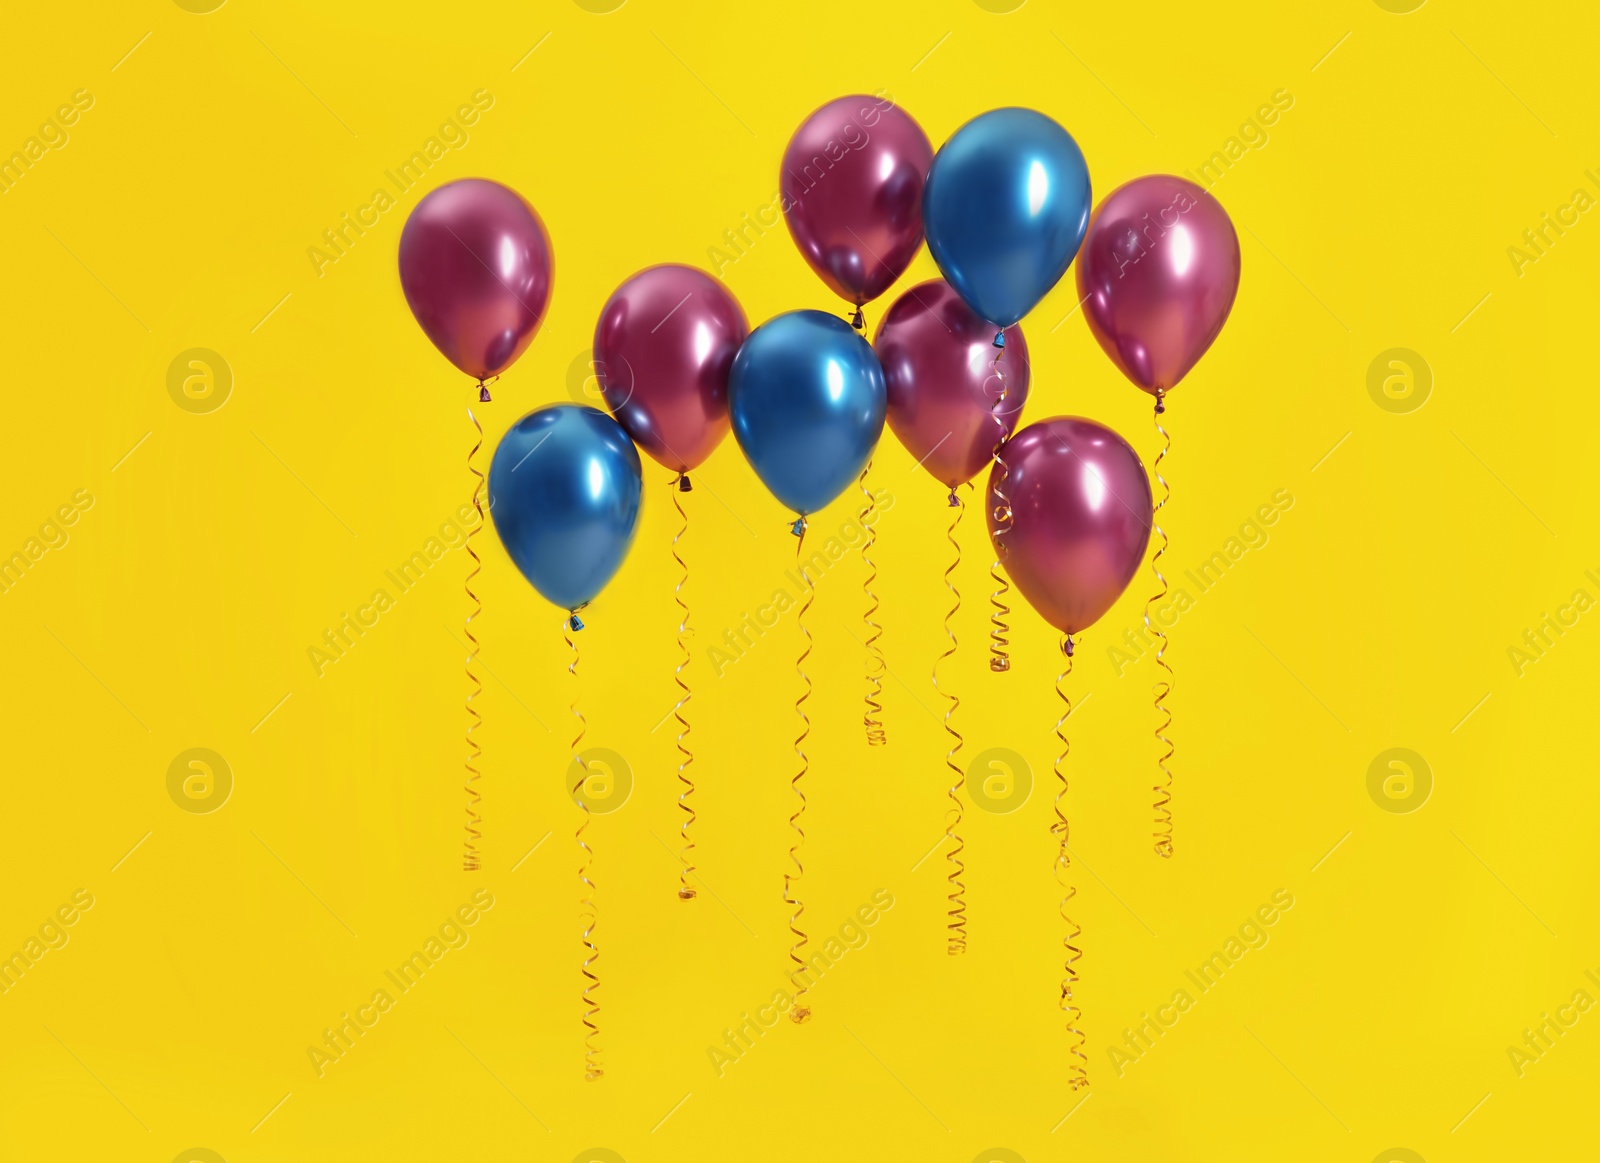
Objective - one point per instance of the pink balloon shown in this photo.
(475, 265)
(945, 391)
(1080, 518)
(1157, 274)
(663, 348)
(851, 190)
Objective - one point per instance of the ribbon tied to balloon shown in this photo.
(663, 350)
(565, 491)
(851, 187)
(476, 268)
(1080, 522)
(1158, 275)
(807, 402)
(953, 398)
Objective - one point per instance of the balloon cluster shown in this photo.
(1005, 206)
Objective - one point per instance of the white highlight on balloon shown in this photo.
(702, 342)
(978, 356)
(835, 381)
(1094, 487)
(1038, 188)
(597, 479)
(1182, 250)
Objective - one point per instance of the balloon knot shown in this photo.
(799, 527)
(575, 622)
(1161, 405)
(683, 483)
(1066, 647)
(999, 338)
(858, 320)
(955, 501)
(483, 392)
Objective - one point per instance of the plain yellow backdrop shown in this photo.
(208, 550)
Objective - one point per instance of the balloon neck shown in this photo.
(575, 622)
(1066, 646)
(858, 320)
(683, 483)
(483, 392)
(1000, 339)
(955, 501)
(799, 527)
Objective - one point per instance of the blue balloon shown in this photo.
(564, 490)
(1005, 207)
(807, 400)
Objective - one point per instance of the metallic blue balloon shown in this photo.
(1005, 207)
(807, 400)
(564, 489)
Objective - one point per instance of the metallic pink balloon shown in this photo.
(475, 265)
(851, 190)
(1157, 275)
(1080, 518)
(663, 348)
(945, 391)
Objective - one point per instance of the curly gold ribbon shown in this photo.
(957, 938)
(1163, 686)
(876, 666)
(471, 861)
(1080, 1069)
(999, 643)
(686, 891)
(800, 1011)
(591, 1053)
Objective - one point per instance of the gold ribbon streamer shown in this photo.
(800, 1011)
(876, 666)
(999, 643)
(686, 890)
(1080, 1071)
(591, 1053)
(957, 938)
(1163, 686)
(470, 860)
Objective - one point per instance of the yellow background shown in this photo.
(179, 612)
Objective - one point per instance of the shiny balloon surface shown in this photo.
(950, 402)
(851, 187)
(807, 401)
(663, 349)
(564, 491)
(476, 269)
(1081, 510)
(1005, 208)
(1157, 276)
